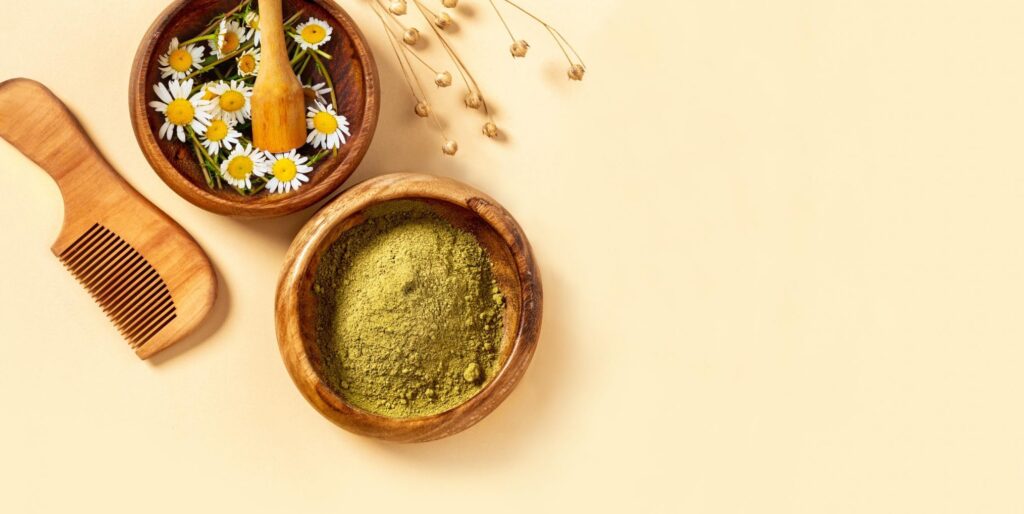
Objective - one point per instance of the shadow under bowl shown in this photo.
(513, 267)
(358, 92)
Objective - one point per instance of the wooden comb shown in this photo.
(149, 276)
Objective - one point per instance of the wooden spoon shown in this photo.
(278, 105)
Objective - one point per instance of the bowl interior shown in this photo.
(349, 68)
(503, 268)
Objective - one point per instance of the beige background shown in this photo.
(781, 245)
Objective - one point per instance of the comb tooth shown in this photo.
(151, 314)
(130, 286)
(146, 305)
(139, 305)
(99, 268)
(109, 270)
(156, 328)
(70, 251)
(86, 251)
(99, 258)
(86, 248)
(159, 320)
(90, 257)
(125, 272)
(131, 292)
(144, 318)
(152, 311)
(133, 295)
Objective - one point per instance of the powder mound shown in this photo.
(409, 320)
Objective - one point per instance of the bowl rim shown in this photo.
(314, 236)
(358, 144)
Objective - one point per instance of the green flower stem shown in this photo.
(293, 18)
(240, 191)
(210, 37)
(209, 160)
(215, 170)
(216, 174)
(216, 20)
(330, 83)
(298, 56)
(201, 155)
(327, 78)
(302, 67)
(224, 59)
(316, 158)
(202, 164)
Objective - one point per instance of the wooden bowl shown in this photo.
(512, 264)
(352, 68)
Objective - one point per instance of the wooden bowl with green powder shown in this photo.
(409, 307)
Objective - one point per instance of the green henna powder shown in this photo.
(409, 320)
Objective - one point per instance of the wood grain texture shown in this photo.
(149, 276)
(513, 266)
(278, 105)
(352, 68)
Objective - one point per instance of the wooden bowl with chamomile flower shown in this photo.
(345, 57)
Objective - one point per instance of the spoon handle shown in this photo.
(278, 106)
(275, 51)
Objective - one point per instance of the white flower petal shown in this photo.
(162, 92)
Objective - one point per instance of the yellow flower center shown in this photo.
(284, 170)
(208, 95)
(254, 21)
(324, 122)
(232, 101)
(230, 42)
(217, 130)
(240, 167)
(313, 34)
(180, 112)
(180, 60)
(247, 63)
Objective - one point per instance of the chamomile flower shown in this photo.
(230, 37)
(252, 20)
(249, 63)
(180, 60)
(240, 166)
(179, 109)
(327, 129)
(231, 101)
(288, 171)
(220, 134)
(206, 89)
(318, 91)
(312, 34)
